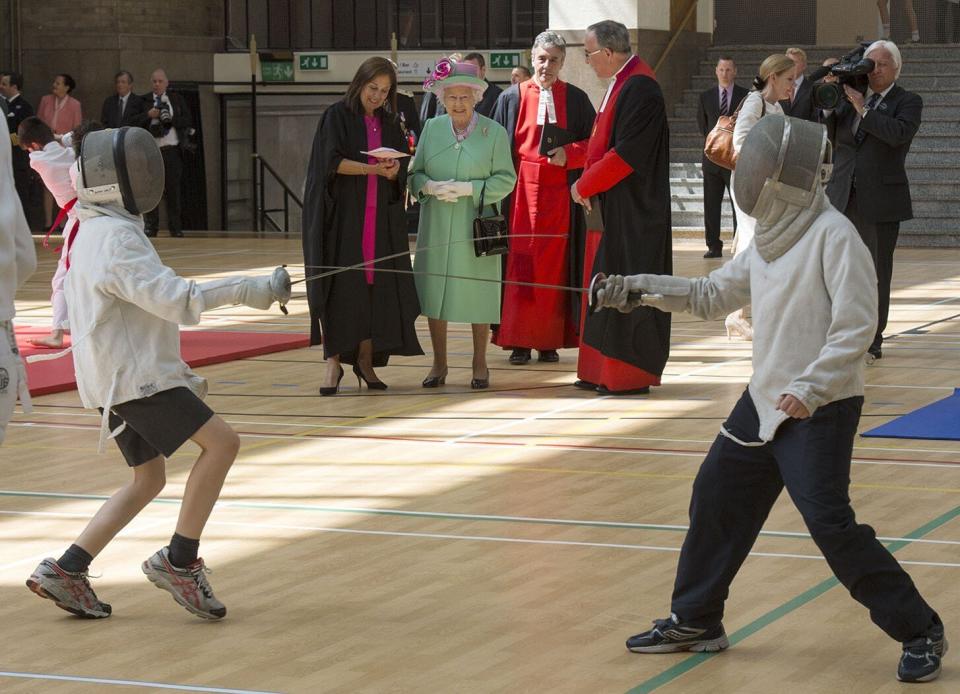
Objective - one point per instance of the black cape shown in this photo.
(637, 232)
(580, 117)
(344, 309)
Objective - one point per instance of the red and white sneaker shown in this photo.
(70, 591)
(188, 586)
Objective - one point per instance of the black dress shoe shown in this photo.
(584, 385)
(603, 390)
(176, 234)
(371, 385)
(519, 357)
(548, 355)
(481, 383)
(713, 254)
(875, 352)
(150, 233)
(332, 390)
(434, 381)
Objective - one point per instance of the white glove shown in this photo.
(664, 292)
(434, 187)
(461, 189)
(256, 292)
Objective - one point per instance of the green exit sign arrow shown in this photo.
(504, 60)
(277, 70)
(313, 61)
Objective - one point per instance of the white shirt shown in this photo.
(170, 139)
(750, 113)
(613, 81)
(18, 259)
(53, 164)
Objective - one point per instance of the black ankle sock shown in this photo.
(75, 559)
(183, 550)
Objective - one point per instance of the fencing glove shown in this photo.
(256, 292)
(625, 293)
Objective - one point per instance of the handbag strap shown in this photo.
(493, 204)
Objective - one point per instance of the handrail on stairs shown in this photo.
(691, 11)
(263, 213)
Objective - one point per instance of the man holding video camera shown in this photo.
(170, 123)
(869, 184)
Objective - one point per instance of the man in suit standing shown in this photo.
(27, 183)
(721, 100)
(873, 135)
(170, 123)
(800, 103)
(124, 107)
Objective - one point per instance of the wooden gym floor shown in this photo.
(457, 541)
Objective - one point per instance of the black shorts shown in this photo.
(158, 425)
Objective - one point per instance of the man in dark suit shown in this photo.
(169, 121)
(432, 107)
(800, 103)
(29, 188)
(869, 183)
(124, 107)
(721, 100)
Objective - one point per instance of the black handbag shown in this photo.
(489, 233)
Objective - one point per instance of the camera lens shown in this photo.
(827, 95)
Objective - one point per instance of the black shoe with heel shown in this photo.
(481, 383)
(332, 390)
(371, 385)
(434, 381)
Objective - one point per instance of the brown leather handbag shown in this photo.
(719, 145)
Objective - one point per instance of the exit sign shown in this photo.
(313, 61)
(504, 60)
(277, 70)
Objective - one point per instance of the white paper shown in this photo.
(386, 153)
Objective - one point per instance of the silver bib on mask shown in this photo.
(781, 171)
(121, 166)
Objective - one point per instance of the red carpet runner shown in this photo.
(199, 348)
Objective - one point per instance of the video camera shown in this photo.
(853, 69)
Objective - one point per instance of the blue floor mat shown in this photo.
(939, 420)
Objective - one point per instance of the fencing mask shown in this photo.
(121, 166)
(779, 180)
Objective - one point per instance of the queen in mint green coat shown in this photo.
(460, 155)
(444, 241)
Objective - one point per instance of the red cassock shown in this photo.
(603, 169)
(539, 236)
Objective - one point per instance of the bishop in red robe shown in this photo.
(627, 173)
(546, 227)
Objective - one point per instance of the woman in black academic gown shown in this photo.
(353, 214)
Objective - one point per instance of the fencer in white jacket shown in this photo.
(18, 260)
(125, 308)
(814, 294)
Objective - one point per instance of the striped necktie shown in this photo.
(723, 101)
(861, 133)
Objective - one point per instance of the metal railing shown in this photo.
(263, 213)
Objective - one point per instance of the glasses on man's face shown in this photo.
(588, 54)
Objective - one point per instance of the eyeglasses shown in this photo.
(588, 54)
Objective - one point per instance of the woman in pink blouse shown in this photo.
(58, 109)
(62, 113)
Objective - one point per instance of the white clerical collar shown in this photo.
(546, 108)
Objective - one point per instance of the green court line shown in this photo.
(775, 614)
(891, 544)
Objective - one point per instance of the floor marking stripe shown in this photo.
(440, 515)
(777, 613)
(128, 683)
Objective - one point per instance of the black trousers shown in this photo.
(735, 490)
(881, 240)
(172, 170)
(29, 190)
(715, 181)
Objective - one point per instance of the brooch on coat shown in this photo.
(484, 130)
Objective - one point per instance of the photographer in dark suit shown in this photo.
(800, 104)
(170, 123)
(721, 100)
(869, 183)
(124, 107)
